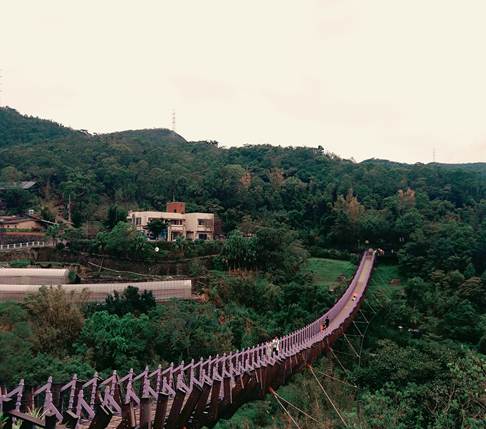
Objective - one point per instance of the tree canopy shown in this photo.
(422, 362)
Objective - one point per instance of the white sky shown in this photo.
(363, 78)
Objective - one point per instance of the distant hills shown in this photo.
(146, 168)
(472, 166)
(152, 134)
(16, 128)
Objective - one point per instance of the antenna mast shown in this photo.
(173, 120)
(433, 155)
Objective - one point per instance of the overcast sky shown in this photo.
(363, 78)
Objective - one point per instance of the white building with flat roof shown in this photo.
(191, 226)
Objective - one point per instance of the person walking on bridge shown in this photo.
(325, 324)
(275, 346)
(269, 347)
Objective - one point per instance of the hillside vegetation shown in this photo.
(18, 129)
(328, 200)
(422, 361)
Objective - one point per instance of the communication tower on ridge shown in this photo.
(173, 120)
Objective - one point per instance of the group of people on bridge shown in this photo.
(273, 346)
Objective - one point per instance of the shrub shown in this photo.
(20, 263)
(482, 345)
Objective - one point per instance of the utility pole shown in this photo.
(173, 120)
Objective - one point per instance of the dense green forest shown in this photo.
(423, 361)
(327, 200)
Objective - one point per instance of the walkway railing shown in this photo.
(26, 245)
(189, 394)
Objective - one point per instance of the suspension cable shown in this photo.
(364, 317)
(365, 332)
(369, 305)
(285, 409)
(359, 330)
(292, 405)
(337, 379)
(351, 346)
(327, 396)
(342, 366)
(353, 355)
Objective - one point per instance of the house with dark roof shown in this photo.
(24, 223)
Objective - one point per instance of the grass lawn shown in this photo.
(381, 277)
(326, 272)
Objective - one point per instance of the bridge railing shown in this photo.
(25, 245)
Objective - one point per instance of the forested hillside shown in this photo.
(15, 129)
(422, 364)
(328, 200)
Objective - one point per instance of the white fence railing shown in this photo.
(29, 244)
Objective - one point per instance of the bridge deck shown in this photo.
(359, 290)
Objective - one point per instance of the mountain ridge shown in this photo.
(34, 129)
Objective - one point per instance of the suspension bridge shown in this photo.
(187, 395)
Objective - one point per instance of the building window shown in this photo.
(202, 236)
(204, 223)
(175, 235)
(138, 221)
